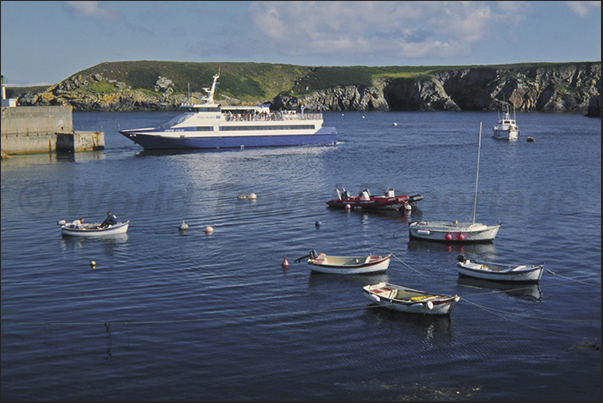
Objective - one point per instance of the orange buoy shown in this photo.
(285, 262)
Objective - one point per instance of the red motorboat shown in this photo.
(387, 201)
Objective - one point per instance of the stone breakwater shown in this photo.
(573, 88)
(43, 129)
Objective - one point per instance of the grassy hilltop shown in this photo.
(253, 81)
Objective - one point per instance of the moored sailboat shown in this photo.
(454, 231)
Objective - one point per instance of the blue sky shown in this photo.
(45, 42)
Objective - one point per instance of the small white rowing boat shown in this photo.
(93, 230)
(499, 271)
(347, 264)
(405, 299)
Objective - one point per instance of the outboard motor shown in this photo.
(461, 258)
(312, 255)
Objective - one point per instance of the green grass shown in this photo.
(104, 87)
(239, 80)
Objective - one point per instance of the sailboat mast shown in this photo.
(479, 146)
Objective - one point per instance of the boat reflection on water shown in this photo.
(484, 250)
(435, 328)
(327, 281)
(76, 243)
(530, 292)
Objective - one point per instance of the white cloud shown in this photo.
(397, 28)
(584, 8)
(90, 9)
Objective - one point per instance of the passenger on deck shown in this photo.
(77, 224)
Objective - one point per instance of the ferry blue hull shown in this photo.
(324, 136)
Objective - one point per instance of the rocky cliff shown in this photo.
(566, 88)
(571, 89)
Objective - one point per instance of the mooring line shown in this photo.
(409, 266)
(512, 320)
(529, 316)
(571, 279)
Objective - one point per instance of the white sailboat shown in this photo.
(454, 231)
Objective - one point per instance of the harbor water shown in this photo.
(186, 315)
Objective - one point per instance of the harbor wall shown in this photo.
(42, 129)
(37, 119)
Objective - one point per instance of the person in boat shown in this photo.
(110, 220)
(77, 224)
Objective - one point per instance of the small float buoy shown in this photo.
(285, 262)
(252, 196)
(530, 139)
(348, 207)
(317, 224)
(183, 226)
(407, 206)
(93, 264)
(209, 230)
(242, 196)
(395, 124)
(461, 237)
(448, 237)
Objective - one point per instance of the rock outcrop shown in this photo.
(569, 88)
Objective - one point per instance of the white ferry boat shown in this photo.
(210, 125)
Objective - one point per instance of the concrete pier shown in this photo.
(43, 129)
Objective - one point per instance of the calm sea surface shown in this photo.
(167, 315)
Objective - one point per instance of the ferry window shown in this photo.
(204, 128)
(280, 127)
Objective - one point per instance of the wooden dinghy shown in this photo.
(499, 271)
(94, 230)
(362, 264)
(409, 300)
